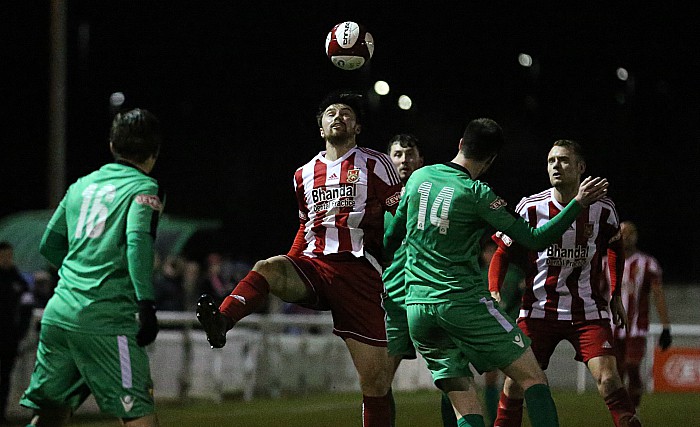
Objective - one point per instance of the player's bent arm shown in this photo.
(497, 270)
(660, 301)
(395, 231)
(616, 266)
(299, 242)
(543, 236)
(54, 242)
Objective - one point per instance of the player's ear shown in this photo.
(358, 129)
(323, 135)
(582, 166)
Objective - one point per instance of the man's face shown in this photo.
(406, 160)
(7, 259)
(564, 167)
(339, 123)
(628, 231)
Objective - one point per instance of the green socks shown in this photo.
(540, 406)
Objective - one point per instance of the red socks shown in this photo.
(376, 411)
(247, 297)
(619, 404)
(510, 412)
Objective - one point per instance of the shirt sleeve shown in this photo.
(54, 242)
(395, 230)
(142, 221)
(388, 184)
(540, 237)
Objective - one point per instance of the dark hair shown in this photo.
(353, 100)
(482, 138)
(405, 140)
(573, 146)
(5, 245)
(135, 135)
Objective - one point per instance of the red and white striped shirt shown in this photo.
(563, 282)
(342, 203)
(641, 271)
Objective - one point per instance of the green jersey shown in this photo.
(393, 275)
(442, 215)
(101, 238)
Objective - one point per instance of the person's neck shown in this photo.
(476, 168)
(144, 167)
(564, 195)
(334, 151)
(630, 251)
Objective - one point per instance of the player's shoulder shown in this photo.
(369, 152)
(606, 202)
(543, 197)
(647, 257)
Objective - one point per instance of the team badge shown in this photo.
(498, 203)
(150, 200)
(588, 230)
(353, 176)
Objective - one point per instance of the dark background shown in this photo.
(236, 85)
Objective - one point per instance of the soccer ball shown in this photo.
(349, 46)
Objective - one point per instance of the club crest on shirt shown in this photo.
(498, 203)
(588, 230)
(150, 200)
(353, 176)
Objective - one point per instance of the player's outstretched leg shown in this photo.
(214, 323)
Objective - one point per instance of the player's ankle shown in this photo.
(228, 322)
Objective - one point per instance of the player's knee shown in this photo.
(375, 382)
(608, 382)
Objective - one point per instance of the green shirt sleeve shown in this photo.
(541, 237)
(141, 224)
(395, 230)
(139, 254)
(54, 242)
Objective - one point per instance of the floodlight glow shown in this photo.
(405, 102)
(622, 74)
(381, 87)
(525, 60)
(116, 99)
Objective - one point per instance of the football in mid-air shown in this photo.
(349, 46)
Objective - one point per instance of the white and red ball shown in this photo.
(349, 46)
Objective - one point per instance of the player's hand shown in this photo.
(148, 323)
(618, 312)
(591, 190)
(665, 339)
(496, 295)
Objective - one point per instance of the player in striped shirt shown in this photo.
(101, 237)
(452, 319)
(334, 262)
(563, 299)
(642, 277)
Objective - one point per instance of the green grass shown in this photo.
(420, 408)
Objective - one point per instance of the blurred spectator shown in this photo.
(291, 308)
(16, 302)
(215, 282)
(190, 284)
(168, 285)
(44, 284)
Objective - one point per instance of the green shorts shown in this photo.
(450, 336)
(71, 365)
(396, 321)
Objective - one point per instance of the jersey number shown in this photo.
(93, 212)
(441, 203)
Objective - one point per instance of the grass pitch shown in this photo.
(421, 408)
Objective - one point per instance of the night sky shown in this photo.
(236, 85)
